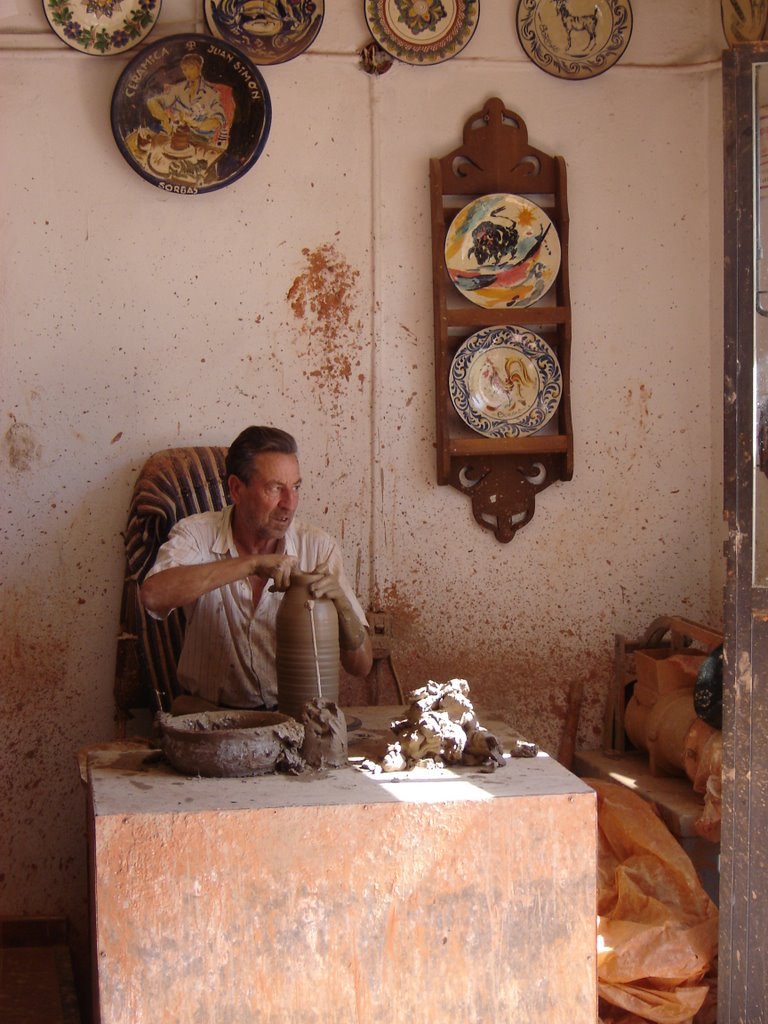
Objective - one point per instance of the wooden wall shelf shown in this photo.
(501, 476)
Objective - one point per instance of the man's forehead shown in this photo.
(276, 467)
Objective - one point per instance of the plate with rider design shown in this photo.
(574, 38)
(422, 31)
(502, 250)
(102, 27)
(191, 114)
(269, 31)
(505, 382)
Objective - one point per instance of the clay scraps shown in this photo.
(441, 728)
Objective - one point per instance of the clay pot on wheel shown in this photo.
(307, 646)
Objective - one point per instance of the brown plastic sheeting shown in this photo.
(657, 927)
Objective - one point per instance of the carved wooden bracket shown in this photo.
(501, 475)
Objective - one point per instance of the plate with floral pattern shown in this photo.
(502, 250)
(574, 38)
(422, 31)
(268, 31)
(102, 27)
(505, 382)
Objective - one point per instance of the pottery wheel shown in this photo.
(231, 744)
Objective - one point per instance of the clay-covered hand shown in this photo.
(352, 633)
(274, 567)
(328, 585)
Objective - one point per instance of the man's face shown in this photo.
(191, 70)
(265, 507)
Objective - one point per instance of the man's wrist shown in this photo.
(351, 629)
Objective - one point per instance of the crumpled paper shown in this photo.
(657, 927)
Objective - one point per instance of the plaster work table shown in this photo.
(343, 897)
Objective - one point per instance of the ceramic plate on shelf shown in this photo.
(191, 114)
(505, 382)
(422, 31)
(102, 27)
(743, 21)
(502, 250)
(268, 32)
(574, 38)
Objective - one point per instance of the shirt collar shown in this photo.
(225, 543)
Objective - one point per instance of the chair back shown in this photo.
(172, 484)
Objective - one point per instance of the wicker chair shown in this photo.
(172, 484)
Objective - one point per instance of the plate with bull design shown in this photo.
(422, 31)
(505, 382)
(502, 250)
(574, 38)
(268, 31)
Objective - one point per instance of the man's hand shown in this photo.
(328, 586)
(274, 567)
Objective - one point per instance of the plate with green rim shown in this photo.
(422, 31)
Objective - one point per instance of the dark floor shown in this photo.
(36, 982)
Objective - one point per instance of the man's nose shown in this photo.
(289, 498)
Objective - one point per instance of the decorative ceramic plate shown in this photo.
(191, 114)
(505, 382)
(574, 38)
(743, 21)
(269, 32)
(102, 27)
(422, 31)
(502, 250)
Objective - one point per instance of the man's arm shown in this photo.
(354, 640)
(359, 660)
(182, 584)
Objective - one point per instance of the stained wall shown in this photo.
(133, 320)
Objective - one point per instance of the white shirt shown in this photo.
(228, 655)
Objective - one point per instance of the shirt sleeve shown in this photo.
(182, 547)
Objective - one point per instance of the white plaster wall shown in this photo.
(133, 320)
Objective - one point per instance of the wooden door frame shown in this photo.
(744, 845)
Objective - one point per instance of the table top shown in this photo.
(131, 778)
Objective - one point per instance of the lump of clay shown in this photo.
(440, 727)
(434, 736)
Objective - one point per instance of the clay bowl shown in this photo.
(231, 744)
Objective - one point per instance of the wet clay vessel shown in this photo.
(307, 647)
(231, 744)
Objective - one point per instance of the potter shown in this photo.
(217, 566)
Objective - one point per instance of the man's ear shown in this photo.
(235, 485)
